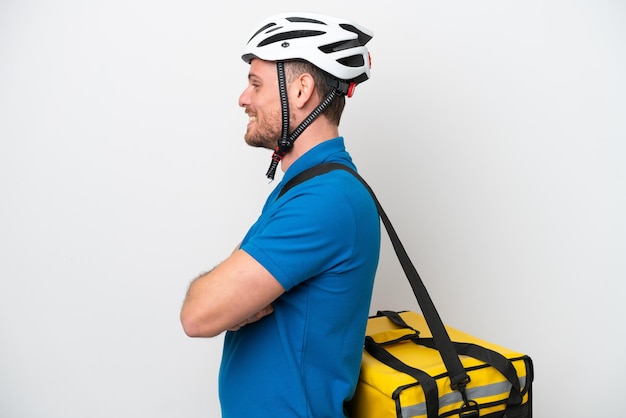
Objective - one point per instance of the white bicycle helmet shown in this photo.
(334, 45)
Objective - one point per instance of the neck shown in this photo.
(313, 135)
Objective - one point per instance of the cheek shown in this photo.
(274, 117)
(269, 112)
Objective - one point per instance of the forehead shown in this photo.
(265, 70)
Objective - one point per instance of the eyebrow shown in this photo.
(254, 76)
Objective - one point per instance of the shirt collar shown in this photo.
(316, 155)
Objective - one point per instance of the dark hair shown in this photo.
(295, 68)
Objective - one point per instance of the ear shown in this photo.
(302, 91)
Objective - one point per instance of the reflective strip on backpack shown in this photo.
(455, 397)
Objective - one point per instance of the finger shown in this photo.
(262, 313)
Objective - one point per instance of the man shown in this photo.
(295, 295)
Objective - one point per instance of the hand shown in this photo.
(262, 313)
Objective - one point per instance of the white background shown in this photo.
(492, 131)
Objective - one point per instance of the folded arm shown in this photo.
(236, 292)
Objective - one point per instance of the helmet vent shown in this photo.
(363, 37)
(352, 61)
(269, 25)
(339, 46)
(279, 37)
(305, 20)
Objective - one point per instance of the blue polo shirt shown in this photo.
(321, 241)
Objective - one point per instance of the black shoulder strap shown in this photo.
(314, 171)
(458, 377)
(428, 383)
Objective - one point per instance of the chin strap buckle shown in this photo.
(284, 145)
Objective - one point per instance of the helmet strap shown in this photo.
(286, 141)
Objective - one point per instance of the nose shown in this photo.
(244, 98)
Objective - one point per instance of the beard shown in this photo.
(265, 139)
(266, 130)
